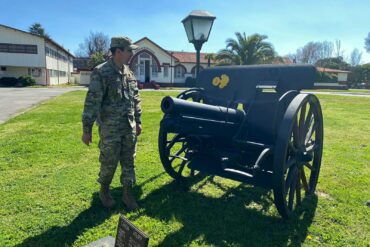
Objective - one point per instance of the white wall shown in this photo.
(20, 59)
(21, 71)
(58, 64)
(342, 76)
(165, 57)
(85, 77)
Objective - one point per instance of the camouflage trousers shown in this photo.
(117, 145)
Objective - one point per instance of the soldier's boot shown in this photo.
(105, 197)
(128, 199)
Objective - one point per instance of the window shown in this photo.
(154, 68)
(180, 71)
(18, 48)
(35, 72)
(144, 55)
(165, 70)
(194, 69)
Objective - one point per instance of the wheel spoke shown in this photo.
(298, 188)
(175, 140)
(309, 120)
(288, 180)
(310, 133)
(292, 148)
(308, 166)
(292, 188)
(312, 148)
(177, 155)
(304, 180)
(290, 162)
(182, 165)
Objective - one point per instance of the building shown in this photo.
(151, 62)
(23, 53)
(342, 75)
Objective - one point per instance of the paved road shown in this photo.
(16, 100)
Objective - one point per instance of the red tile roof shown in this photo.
(331, 70)
(190, 57)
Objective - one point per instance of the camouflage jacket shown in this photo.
(112, 97)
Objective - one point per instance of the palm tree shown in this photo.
(246, 50)
(210, 57)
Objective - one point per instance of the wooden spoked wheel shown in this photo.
(177, 150)
(298, 152)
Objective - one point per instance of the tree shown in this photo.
(209, 57)
(367, 43)
(95, 59)
(246, 50)
(338, 50)
(360, 74)
(355, 57)
(37, 29)
(314, 51)
(333, 63)
(95, 42)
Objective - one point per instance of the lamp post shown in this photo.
(198, 25)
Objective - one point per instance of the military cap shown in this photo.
(122, 42)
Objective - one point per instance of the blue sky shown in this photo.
(288, 24)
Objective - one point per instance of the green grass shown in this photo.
(351, 90)
(48, 188)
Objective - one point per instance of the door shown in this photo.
(147, 71)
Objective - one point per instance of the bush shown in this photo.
(326, 77)
(8, 82)
(26, 80)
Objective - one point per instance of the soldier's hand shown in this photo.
(87, 138)
(138, 129)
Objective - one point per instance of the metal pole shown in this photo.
(198, 46)
(198, 63)
(171, 70)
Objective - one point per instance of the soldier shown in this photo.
(113, 101)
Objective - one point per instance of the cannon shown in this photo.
(251, 124)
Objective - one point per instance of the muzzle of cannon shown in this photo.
(275, 142)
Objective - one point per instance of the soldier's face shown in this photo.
(125, 55)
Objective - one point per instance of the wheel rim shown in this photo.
(175, 154)
(174, 149)
(298, 153)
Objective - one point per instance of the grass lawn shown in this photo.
(48, 188)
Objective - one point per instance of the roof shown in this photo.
(146, 38)
(190, 57)
(332, 70)
(182, 57)
(46, 39)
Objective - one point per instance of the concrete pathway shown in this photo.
(14, 101)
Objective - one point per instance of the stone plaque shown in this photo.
(129, 235)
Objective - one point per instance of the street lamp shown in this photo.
(198, 25)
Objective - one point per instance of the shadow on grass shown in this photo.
(226, 221)
(67, 235)
(223, 221)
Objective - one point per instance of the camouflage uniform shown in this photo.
(113, 101)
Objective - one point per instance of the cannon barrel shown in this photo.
(172, 105)
(188, 117)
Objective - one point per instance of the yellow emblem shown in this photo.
(221, 81)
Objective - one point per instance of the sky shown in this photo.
(289, 25)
